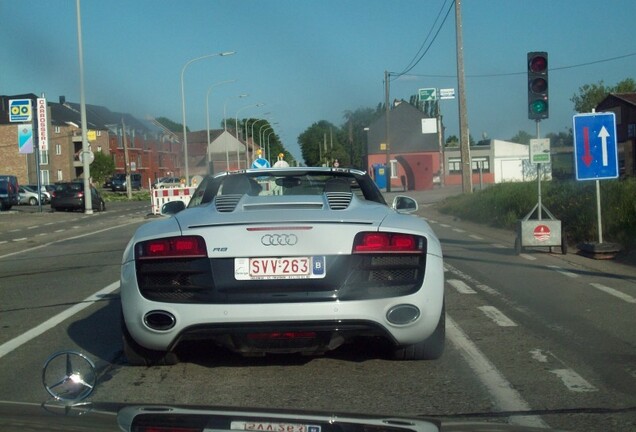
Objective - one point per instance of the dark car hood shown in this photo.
(21, 416)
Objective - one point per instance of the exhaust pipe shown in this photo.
(159, 320)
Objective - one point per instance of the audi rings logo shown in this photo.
(279, 240)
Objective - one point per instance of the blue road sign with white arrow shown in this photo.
(595, 146)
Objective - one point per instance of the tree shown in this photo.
(320, 144)
(452, 141)
(590, 95)
(102, 167)
(522, 137)
(171, 125)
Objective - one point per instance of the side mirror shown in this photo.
(172, 207)
(404, 204)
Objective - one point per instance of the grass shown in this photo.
(572, 202)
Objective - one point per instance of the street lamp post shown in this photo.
(207, 117)
(261, 137)
(269, 135)
(245, 137)
(88, 204)
(227, 154)
(183, 110)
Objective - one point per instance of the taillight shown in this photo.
(381, 242)
(172, 247)
(80, 194)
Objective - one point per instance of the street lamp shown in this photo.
(183, 110)
(207, 117)
(245, 137)
(269, 135)
(227, 154)
(88, 204)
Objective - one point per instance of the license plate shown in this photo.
(279, 268)
(272, 427)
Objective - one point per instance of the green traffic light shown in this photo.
(538, 106)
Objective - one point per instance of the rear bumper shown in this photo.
(228, 323)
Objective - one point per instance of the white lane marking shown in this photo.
(476, 237)
(20, 239)
(66, 239)
(573, 381)
(4, 241)
(505, 396)
(614, 292)
(33, 227)
(14, 230)
(36, 331)
(471, 280)
(431, 221)
(60, 230)
(444, 225)
(563, 272)
(459, 230)
(461, 286)
(49, 223)
(528, 257)
(497, 316)
(538, 355)
(41, 234)
(499, 246)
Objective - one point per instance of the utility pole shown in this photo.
(126, 161)
(387, 169)
(464, 137)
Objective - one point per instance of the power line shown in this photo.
(524, 72)
(410, 65)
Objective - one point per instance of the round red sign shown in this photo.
(542, 233)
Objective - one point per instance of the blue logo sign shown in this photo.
(260, 163)
(595, 146)
(19, 110)
(318, 264)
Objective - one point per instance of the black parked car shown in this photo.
(118, 182)
(70, 196)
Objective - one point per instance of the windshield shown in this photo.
(401, 208)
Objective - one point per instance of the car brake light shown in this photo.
(172, 247)
(380, 242)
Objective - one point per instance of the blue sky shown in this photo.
(312, 60)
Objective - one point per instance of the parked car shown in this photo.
(46, 195)
(118, 182)
(29, 196)
(295, 260)
(9, 191)
(70, 196)
(166, 182)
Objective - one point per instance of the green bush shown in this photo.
(110, 196)
(572, 202)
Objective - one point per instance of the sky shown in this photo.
(313, 60)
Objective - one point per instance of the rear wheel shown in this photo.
(33, 201)
(431, 348)
(138, 355)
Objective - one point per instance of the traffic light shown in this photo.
(538, 106)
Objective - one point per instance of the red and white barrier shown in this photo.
(161, 196)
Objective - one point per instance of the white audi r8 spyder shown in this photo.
(290, 260)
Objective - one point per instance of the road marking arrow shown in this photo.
(603, 134)
(587, 156)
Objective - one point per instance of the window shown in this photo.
(454, 166)
(394, 169)
(60, 177)
(44, 157)
(99, 133)
(99, 148)
(481, 163)
(57, 129)
(58, 149)
(44, 177)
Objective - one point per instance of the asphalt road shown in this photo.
(539, 339)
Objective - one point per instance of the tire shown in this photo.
(33, 201)
(138, 355)
(429, 349)
(102, 206)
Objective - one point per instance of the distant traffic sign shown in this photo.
(427, 94)
(20, 110)
(595, 146)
